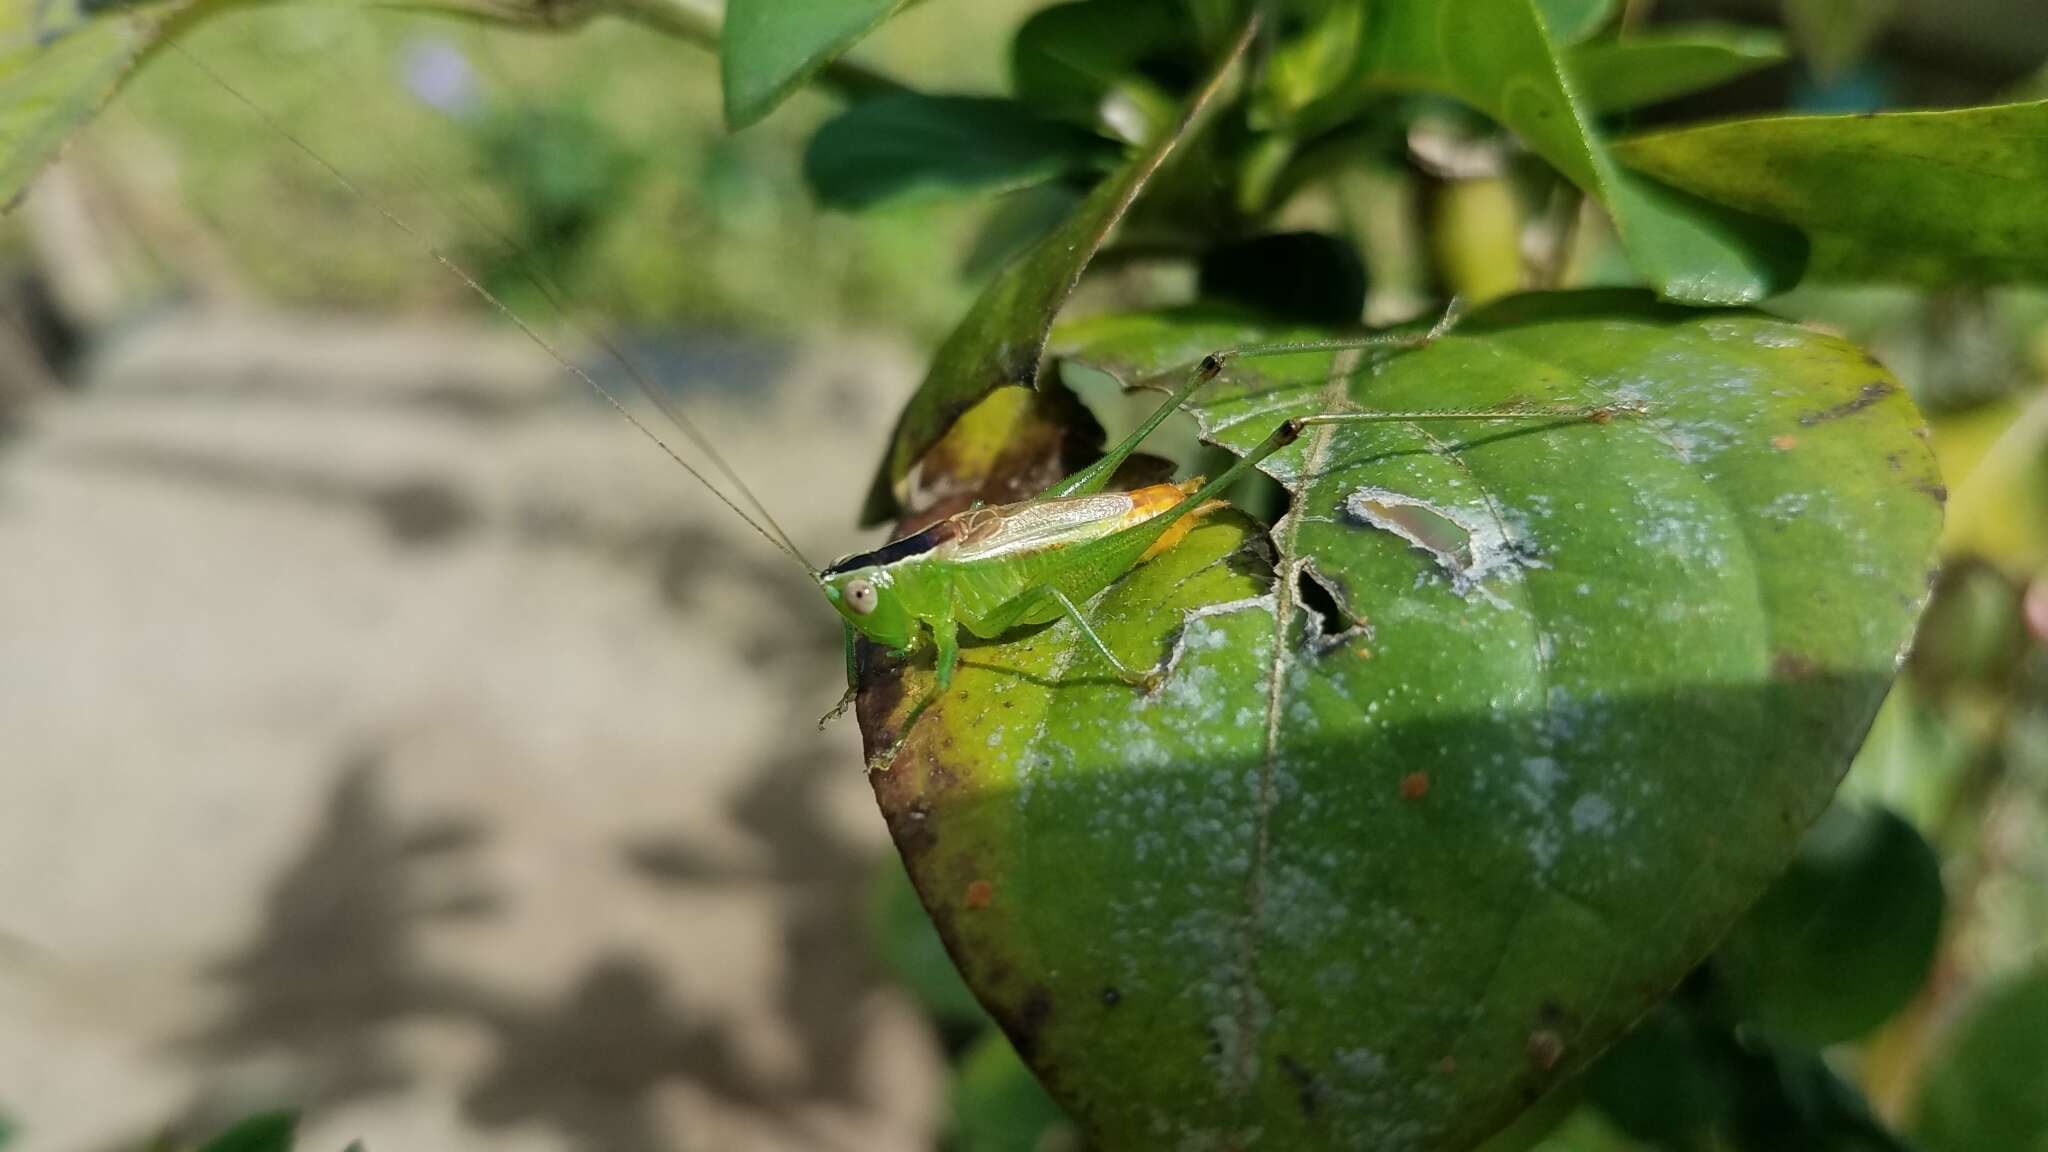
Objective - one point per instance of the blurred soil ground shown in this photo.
(386, 730)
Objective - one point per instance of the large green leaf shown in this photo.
(1665, 63)
(1496, 56)
(1415, 829)
(770, 47)
(1002, 338)
(1845, 937)
(1987, 1090)
(1931, 196)
(910, 145)
(59, 64)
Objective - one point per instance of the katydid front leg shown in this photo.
(852, 677)
(946, 643)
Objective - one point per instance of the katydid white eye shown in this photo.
(860, 596)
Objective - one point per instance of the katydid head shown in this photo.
(868, 599)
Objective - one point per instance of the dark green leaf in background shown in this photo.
(1317, 57)
(1570, 21)
(1833, 34)
(1669, 1081)
(910, 145)
(1002, 337)
(1097, 63)
(1666, 63)
(770, 47)
(1930, 196)
(1305, 277)
(1018, 221)
(1845, 937)
(1987, 1087)
(1414, 830)
(998, 1106)
(1494, 55)
(263, 1132)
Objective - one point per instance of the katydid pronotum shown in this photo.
(992, 569)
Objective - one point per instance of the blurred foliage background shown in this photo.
(1891, 992)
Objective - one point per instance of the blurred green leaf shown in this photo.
(1987, 1088)
(1845, 937)
(1930, 196)
(59, 64)
(1016, 223)
(1689, 1078)
(911, 145)
(912, 952)
(6, 1131)
(1833, 34)
(1585, 1130)
(1570, 21)
(1527, 719)
(1311, 61)
(1976, 632)
(1791, 1100)
(1308, 277)
(1668, 1081)
(769, 48)
(998, 1105)
(1668, 62)
(1002, 338)
(1094, 62)
(1493, 54)
(263, 1132)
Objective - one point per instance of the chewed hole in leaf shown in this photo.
(1468, 545)
(1331, 624)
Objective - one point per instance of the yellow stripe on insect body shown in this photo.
(1159, 499)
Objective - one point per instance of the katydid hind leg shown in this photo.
(946, 659)
(1148, 679)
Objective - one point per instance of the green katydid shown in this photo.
(992, 570)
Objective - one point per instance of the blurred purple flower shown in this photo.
(438, 75)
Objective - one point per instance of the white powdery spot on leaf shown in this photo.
(1592, 813)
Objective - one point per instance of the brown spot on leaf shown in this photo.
(1546, 1048)
(1447, 1066)
(980, 893)
(1933, 490)
(1871, 393)
(1414, 786)
(1784, 443)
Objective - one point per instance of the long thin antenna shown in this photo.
(781, 542)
